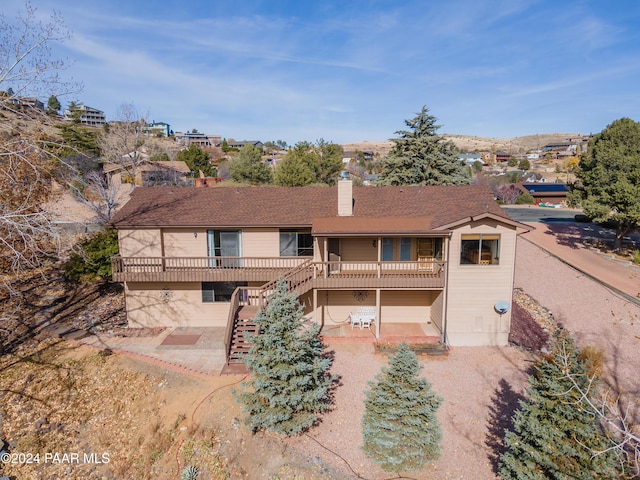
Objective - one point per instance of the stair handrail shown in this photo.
(231, 320)
(288, 276)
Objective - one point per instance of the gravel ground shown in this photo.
(481, 385)
(592, 313)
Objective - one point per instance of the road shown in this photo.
(535, 214)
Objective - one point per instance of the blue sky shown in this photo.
(350, 71)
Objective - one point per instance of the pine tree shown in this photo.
(400, 428)
(555, 435)
(289, 384)
(53, 105)
(422, 157)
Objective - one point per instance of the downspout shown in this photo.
(445, 309)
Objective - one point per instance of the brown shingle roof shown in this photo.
(432, 207)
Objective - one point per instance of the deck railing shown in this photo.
(297, 270)
(360, 275)
(186, 269)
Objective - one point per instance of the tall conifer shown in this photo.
(289, 384)
(555, 435)
(400, 428)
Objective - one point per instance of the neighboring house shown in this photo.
(555, 193)
(356, 156)
(244, 143)
(87, 115)
(27, 103)
(437, 258)
(149, 173)
(565, 149)
(199, 139)
(157, 129)
(503, 157)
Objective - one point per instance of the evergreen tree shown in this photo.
(289, 385)
(296, 168)
(53, 105)
(248, 167)
(555, 435)
(422, 157)
(308, 163)
(608, 186)
(197, 160)
(400, 428)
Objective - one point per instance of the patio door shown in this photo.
(426, 254)
(334, 254)
(221, 244)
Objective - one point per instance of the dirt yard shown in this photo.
(157, 421)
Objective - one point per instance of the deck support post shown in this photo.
(378, 316)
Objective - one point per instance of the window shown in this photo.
(387, 249)
(219, 291)
(480, 249)
(296, 243)
(403, 251)
(223, 243)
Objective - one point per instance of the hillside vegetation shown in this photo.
(470, 143)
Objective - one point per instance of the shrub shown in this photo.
(93, 261)
(636, 257)
(400, 428)
(525, 199)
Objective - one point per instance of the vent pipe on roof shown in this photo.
(345, 198)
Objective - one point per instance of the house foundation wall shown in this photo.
(172, 305)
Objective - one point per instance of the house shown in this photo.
(157, 129)
(199, 139)
(357, 156)
(503, 156)
(27, 103)
(438, 259)
(87, 115)
(555, 193)
(244, 143)
(148, 173)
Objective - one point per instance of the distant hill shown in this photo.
(471, 143)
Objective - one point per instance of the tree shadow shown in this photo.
(504, 402)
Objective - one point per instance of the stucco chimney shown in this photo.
(345, 198)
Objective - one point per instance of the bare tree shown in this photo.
(99, 195)
(616, 419)
(27, 67)
(122, 142)
(27, 156)
(508, 194)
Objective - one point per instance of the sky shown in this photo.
(350, 71)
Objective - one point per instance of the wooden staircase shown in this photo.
(298, 279)
(243, 326)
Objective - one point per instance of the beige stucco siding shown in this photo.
(397, 306)
(406, 306)
(437, 310)
(473, 290)
(172, 305)
(260, 242)
(256, 242)
(181, 242)
(140, 243)
(358, 250)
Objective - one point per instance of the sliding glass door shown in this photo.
(224, 243)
